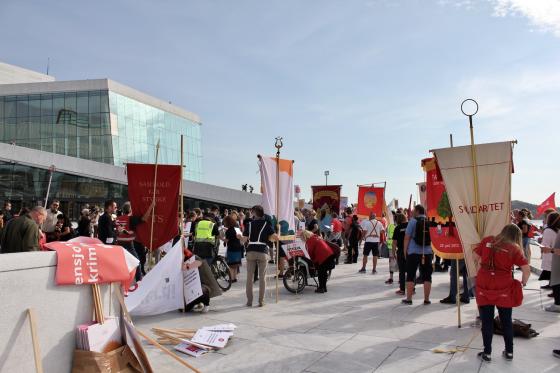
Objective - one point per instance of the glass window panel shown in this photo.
(1, 107)
(71, 130)
(47, 144)
(35, 127)
(104, 102)
(46, 104)
(59, 130)
(70, 101)
(22, 129)
(59, 145)
(95, 125)
(34, 108)
(34, 143)
(10, 110)
(22, 106)
(83, 147)
(82, 103)
(94, 102)
(58, 107)
(71, 146)
(46, 127)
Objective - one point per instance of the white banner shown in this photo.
(495, 165)
(192, 287)
(285, 209)
(161, 290)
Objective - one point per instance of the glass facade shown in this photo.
(102, 126)
(26, 186)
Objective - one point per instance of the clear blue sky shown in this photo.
(361, 88)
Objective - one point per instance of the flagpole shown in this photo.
(278, 145)
(474, 164)
(154, 207)
(458, 289)
(182, 214)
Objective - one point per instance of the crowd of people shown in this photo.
(250, 235)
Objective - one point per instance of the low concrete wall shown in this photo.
(27, 281)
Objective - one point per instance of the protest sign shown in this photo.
(161, 290)
(294, 249)
(192, 287)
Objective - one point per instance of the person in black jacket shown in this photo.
(107, 228)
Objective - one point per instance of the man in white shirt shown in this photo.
(372, 236)
(52, 217)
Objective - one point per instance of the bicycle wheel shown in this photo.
(294, 281)
(221, 273)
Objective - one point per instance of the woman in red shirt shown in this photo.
(496, 287)
(322, 256)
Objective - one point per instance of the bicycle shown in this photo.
(220, 270)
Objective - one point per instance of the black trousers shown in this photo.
(129, 246)
(487, 317)
(556, 293)
(141, 251)
(323, 272)
(352, 255)
(401, 262)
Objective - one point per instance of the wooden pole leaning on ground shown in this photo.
(153, 208)
(35, 340)
(149, 339)
(458, 295)
(182, 214)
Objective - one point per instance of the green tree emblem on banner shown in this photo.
(444, 208)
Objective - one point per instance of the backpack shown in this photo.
(422, 232)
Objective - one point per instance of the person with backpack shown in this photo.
(372, 230)
(353, 235)
(418, 253)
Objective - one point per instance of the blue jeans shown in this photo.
(453, 279)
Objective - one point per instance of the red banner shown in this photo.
(140, 193)
(445, 244)
(437, 202)
(91, 263)
(370, 199)
(548, 203)
(326, 194)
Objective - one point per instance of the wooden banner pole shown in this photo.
(278, 146)
(153, 208)
(182, 212)
(35, 341)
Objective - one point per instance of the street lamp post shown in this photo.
(327, 177)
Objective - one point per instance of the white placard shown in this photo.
(212, 339)
(192, 287)
(296, 248)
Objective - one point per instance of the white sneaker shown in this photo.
(198, 307)
(553, 308)
(205, 309)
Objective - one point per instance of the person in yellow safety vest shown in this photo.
(205, 234)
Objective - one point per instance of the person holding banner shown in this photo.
(372, 230)
(496, 287)
(418, 252)
(322, 256)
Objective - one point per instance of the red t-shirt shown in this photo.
(494, 280)
(336, 226)
(318, 250)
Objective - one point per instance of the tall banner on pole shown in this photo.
(422, 193)
(437, 202)
(494, 165)
(370, 199)
(326, 195)
(140, 192)
(268, 168)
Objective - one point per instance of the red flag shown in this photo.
(548, 203)
(326, 194)
(140, 193)
(370, 199)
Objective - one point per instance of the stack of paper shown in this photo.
(99, 337)
(207, 338)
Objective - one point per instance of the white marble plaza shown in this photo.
(359, 326)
